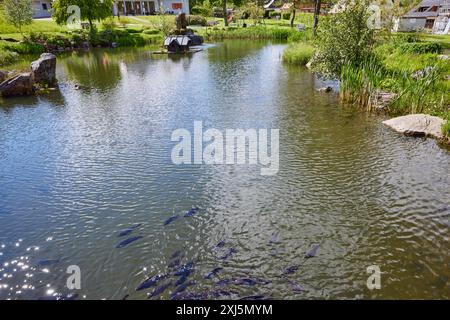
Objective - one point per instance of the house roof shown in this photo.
(413, 13)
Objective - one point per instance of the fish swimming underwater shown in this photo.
(291, 270)
(150, 282)
(220, 244)
(184, 270)
(296, 288)
(312, 252)
(47, 262)
(191, 212)
(257, 297)
(274, 239)
(213, 273)
(129, 230)
(174, 263)
(171, 219)
(159, 290)
(228, 254)
(182, 279)
(126, 242)
(182, 288)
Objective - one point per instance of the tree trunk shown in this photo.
(316, 16)
(292, 16)
(225, 13)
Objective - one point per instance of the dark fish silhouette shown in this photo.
(182, 288)
(160, 290)
(223, 293)
(257, 297)
(184, 270)
(176, 254)
(244, 281)
(189, 296)
(126, 242)
(125, 297)
(296, 288)
(47, 262)
(213, 273)
(128, 231)
(191, 212)
(223, 282)
(60, 297)
(291, 269)
(312, 252)
(174, 263)
(150, 282)
(220, 244)
(171, 219)
(182, 280)
(275, 239)
(228, 254)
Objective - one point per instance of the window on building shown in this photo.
(429, 24)
(44, 7)
(176, 6)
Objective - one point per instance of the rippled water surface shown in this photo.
(78, 166)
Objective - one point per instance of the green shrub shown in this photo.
(298, 53)
(202, 11)
(274, 14)
(420, 47)
(196, 20)
(286, 16)
(152, 31)
(130, 30)
(23, 47)
(7, 57)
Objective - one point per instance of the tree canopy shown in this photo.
(90, 10)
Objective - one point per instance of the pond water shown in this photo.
(80, 165)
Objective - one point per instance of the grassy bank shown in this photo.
(406, 67)
(410, 69)
(298, 53)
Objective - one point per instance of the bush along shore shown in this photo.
(396, 74)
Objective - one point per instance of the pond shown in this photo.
(83, 164)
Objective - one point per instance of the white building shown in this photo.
(123, 7)
(429, 14)
(42, 9)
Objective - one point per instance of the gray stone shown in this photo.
(19, 85)
(380, 100)
(44, 69)
(418, 125)
(325, 89)
(443, 57)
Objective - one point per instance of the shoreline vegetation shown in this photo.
(408, 72)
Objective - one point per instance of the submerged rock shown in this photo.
(44, 69)
(19, 85)
(417, 125)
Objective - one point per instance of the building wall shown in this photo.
(409, 24)
(38, 9)
(172, 6)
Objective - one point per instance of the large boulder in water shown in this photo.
(19, 85)
(418, 125)
(44, 69)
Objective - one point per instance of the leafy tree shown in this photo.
(18, 12)
(343, 38)
(90, 10)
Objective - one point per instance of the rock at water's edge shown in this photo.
(44, 69)
(19, 85)
(3, 76)
(418, 125)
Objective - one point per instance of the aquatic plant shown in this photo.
(298, 53)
